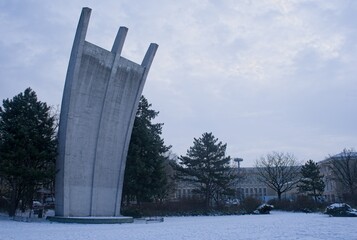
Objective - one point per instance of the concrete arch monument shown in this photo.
(100, 99)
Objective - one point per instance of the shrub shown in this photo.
(184, 207)
(283, 204)
(304, 204)
(4, 204)
(131, 212)
(249, 205)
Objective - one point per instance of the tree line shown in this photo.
(28, 149)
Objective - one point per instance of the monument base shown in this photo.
(91, 220)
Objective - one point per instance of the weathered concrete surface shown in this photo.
(100, 99)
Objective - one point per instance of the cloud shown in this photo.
(263, 76)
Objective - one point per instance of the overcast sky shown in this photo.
(261, 75)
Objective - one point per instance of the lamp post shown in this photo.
(238, 160)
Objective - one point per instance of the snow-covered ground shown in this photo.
(277, 225)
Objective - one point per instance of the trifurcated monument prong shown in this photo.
(100, 99)
(119, 40)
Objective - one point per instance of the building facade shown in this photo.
(334, 190)
(249, 185)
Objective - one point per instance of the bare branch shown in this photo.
(280, 171)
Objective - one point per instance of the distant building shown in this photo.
(330, 193)
(184, 190)
(334, 191)
(248, 185)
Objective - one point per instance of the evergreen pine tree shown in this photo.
(311, 182)
(27, 147)
(145, 175)
(207, 167)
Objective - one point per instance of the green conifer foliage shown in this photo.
(145, 177)
(27, 147)
(311, 182)
(206, 167)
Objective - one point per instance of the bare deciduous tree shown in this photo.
(280, 171)
(344, 168)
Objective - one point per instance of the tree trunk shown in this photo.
(13, 205)
(315, 196)
(279, 195)
(14, 200)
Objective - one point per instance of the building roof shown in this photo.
(340, 155)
